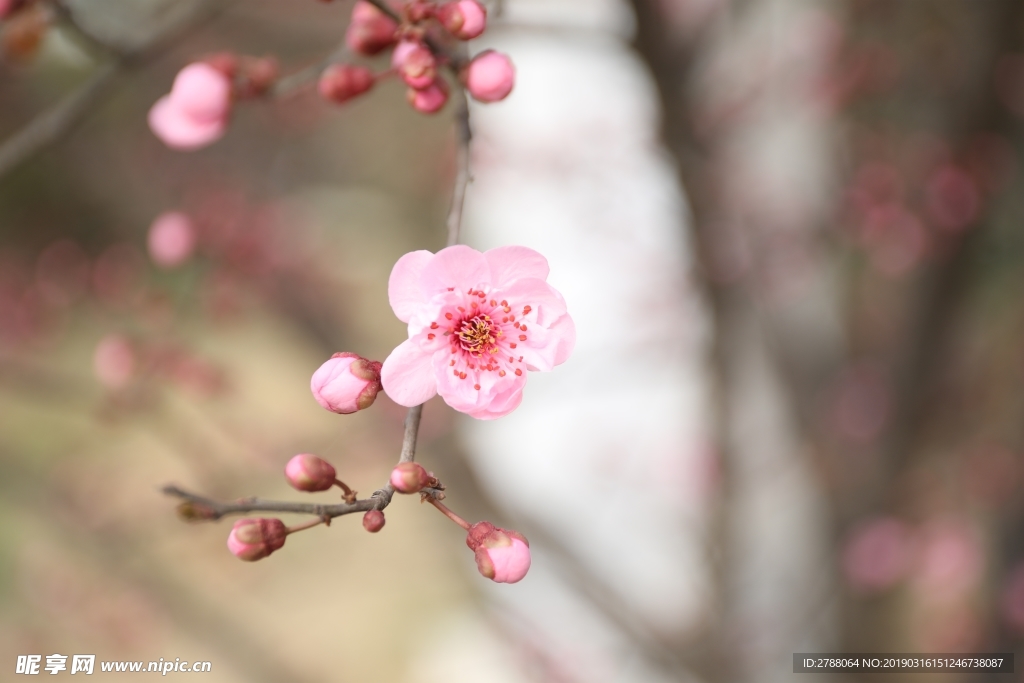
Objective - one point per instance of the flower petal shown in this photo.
(514, 263)
(545, 301)
(408, 376)
(565, 329)
(459, 267)
(404, 291)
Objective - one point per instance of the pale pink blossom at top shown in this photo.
(502, 556)
(490, 76)
(196, 111)
(477, 324)
(172, 239)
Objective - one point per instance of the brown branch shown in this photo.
(206, 508)
(50, 126)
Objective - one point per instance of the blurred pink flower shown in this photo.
(5, 7)
(490, 76)
(370, 30)
(114, 361)
(878, 554)
(196, 111)
(477, 323)
(346, 383)
(341, 82)
(952, 198)
(502, 556)
(415, 63)
(951, 561)
(464, 19)
(430, 99)
(172, 239)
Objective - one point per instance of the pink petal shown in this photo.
(547, 303)
(460, 267)
(501, 405)
(179, 131)
(565, 329)
(407, 375)
(404, 290)
(513, 263)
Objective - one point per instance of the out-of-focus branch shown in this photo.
(51, 125)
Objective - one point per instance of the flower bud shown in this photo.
(430, 99)
(341, 82)
(373, 521)
(410, 477)
(415, 63)
(370, 30)
(464, 19)
(307, 472)
(254, 539)
(172, 238)
(489, 76)
(502, 556)
(346, 383)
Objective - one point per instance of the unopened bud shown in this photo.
(464, 19)
(431, 99)
(410, 477)
(490, 76)
(373, 521)
(307, 472)
(254, 539)
(502, 556)
(114, 361)
(415, 63)
(370, 30)
(341, 82)
(346, 383)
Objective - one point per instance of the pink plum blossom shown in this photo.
(429, 100)
(307, 472)
(490, 76)
(477, 323)
(346, 383)
(464, 19)
(196, 111)
(172, 239)
(502, 556)
(370, 30)
(254, 539)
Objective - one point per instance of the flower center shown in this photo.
(478, 335)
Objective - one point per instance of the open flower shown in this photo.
(195, 113)
(477, 324)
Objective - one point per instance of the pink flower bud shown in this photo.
(490, 76)
(341, 82)
(196, 111)
(114, 361)
(307, 472)
(502, 556)
(430, 99)
(410, 477)
(415, 63)
(373, 521)
(172, 239)
(370, 30)
(346, 383)
(464, 19)
(7, 6)
(254, 539)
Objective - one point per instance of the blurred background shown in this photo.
(790, 235)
